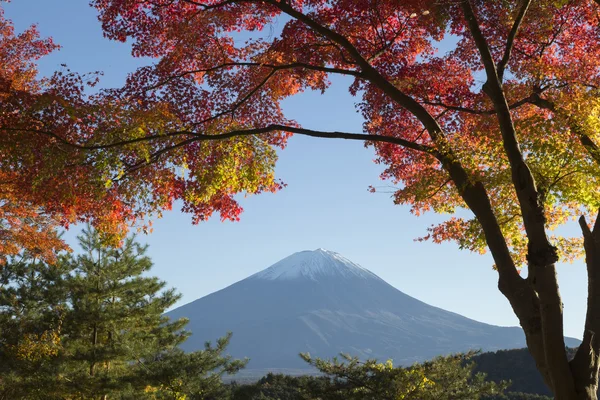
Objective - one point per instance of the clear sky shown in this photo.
(326, 203)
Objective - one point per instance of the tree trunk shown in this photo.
(542, 318)
(94, 343)
(584, 365)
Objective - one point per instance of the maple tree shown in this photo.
(202, 124)
(22, 224)
(45, 184)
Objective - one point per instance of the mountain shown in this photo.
(322, 303)
(517, 366)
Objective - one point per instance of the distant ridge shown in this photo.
(320, 302)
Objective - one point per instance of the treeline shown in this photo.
(504, 375)
(443, 378)
(92, 326)
(518, 367)
(515, 365)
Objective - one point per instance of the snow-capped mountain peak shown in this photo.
(312, 265)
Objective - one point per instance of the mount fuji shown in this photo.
(322, 303)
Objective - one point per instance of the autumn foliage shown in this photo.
(470, 104)
(22, 224)
(42, 184)
(68, 156)
(216, 85)
(207, 84)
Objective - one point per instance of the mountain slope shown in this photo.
(320, 302)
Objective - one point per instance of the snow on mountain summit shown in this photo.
(312, 265)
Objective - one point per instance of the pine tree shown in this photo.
(443, 378)
(116, 318)
(191, 376)
(31, 317)
(92, 326)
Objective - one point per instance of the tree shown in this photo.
(115, 318)
(442, 378)
(31, 318)
(45, 184)
(91, 326)
(191, 376)
(520, 151)
(448, 377)
(281, 387)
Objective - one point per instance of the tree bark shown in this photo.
(94, 343)
(584, 365)
(546, 344)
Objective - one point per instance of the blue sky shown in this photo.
(326, 203)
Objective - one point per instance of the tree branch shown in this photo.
(511, 39)
(194, 137)
(527, 100)
(99, 146)
(197, 137)
(239, 103)
(541, 252)
(273, 67)
(585, 229)
(368, 71)
(587, 358)
(386, 46)
(587, 142)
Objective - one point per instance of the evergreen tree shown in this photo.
(31, 319)
(443, 378)
(191, 376)
(284, 387)
(116, 317)
(92, 326)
